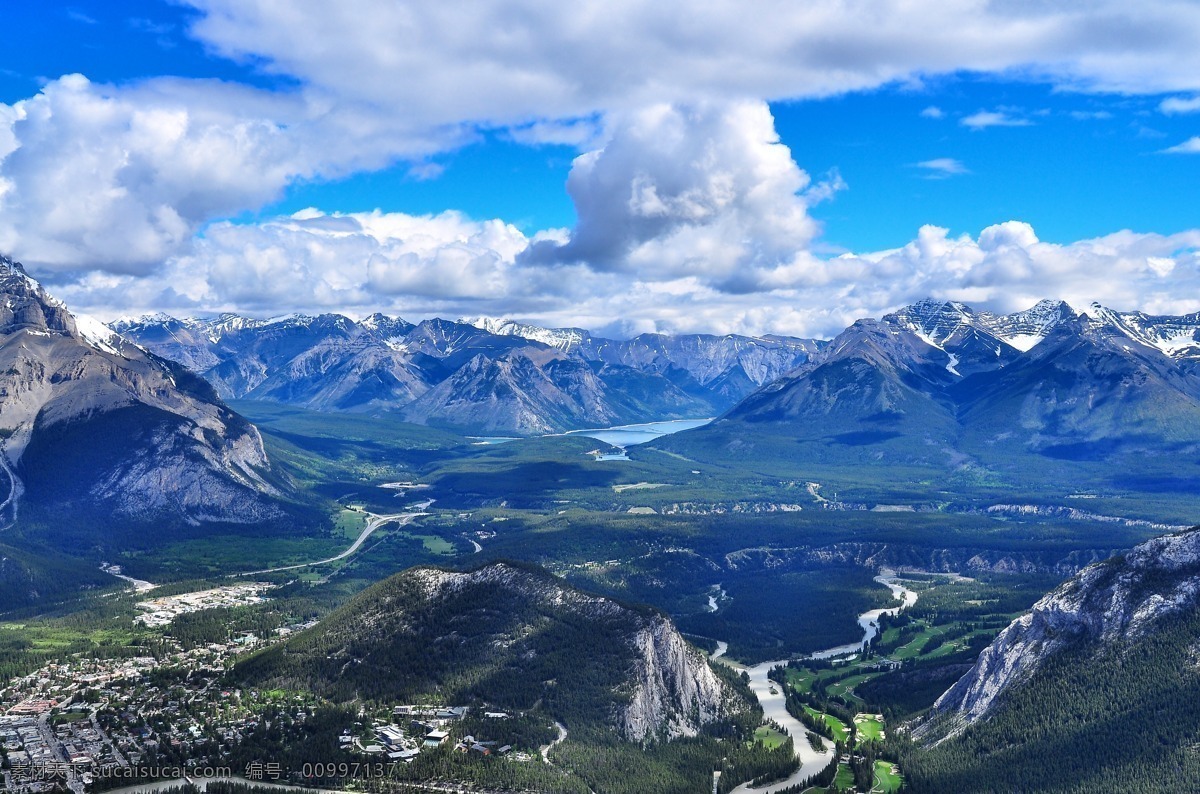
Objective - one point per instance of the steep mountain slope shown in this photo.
(511, 636)
(1100, 675)
(968, 338)
(1119, 599)
(510, 394)
(42, 576)
(97, 426)
(1085, 390)
(873, 388)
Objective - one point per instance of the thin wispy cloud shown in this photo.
(1091, 115)
(75, 15)
(942, 168)
(1190, 146)
(150, 26)
(1177, 105)
(993, 118)
(423, 172)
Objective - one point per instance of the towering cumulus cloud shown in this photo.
(696, 190)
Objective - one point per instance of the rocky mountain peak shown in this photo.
(71, 389)
(27, 306)
(1025, 329)
(672, 690)
(607, 664)
(385, 326)
(931, 315)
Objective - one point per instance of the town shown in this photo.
(83, 721)
(158, 612)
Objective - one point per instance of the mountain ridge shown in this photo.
(426, 371)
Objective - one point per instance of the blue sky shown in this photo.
(1070, 139)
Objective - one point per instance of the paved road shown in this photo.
(562, 734)
(403, 519)
(74, 781)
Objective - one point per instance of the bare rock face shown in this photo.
(676, 692)
(1121, 598)
(142, 438)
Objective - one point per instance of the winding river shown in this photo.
(771, 698)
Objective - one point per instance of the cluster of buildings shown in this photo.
(43, 754)
(428, 728)
(81, 717)
(158, 612)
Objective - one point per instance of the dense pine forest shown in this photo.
(1117, 718)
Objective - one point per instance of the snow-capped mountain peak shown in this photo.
(565, 339)
(98, 334)
(935, 321)
(1175, 336)
(1025, 329)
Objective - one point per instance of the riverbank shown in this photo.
(771, 695)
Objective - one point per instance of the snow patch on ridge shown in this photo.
(98, 334)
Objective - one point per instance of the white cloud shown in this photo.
(933, 112)
(942, 167)
(120, 178)
(379, 81)
(691, 218)
(449, 265)
(579, 133)
(993, 118)
(704, 190)
(691, 213)
(1174, 105)
(1190, 146)
(513, 61)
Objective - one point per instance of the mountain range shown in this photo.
(482, 375)
(1052, 379)
(940, 383)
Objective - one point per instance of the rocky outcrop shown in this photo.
(1119, 599)
(675, 691)
(901, 556)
